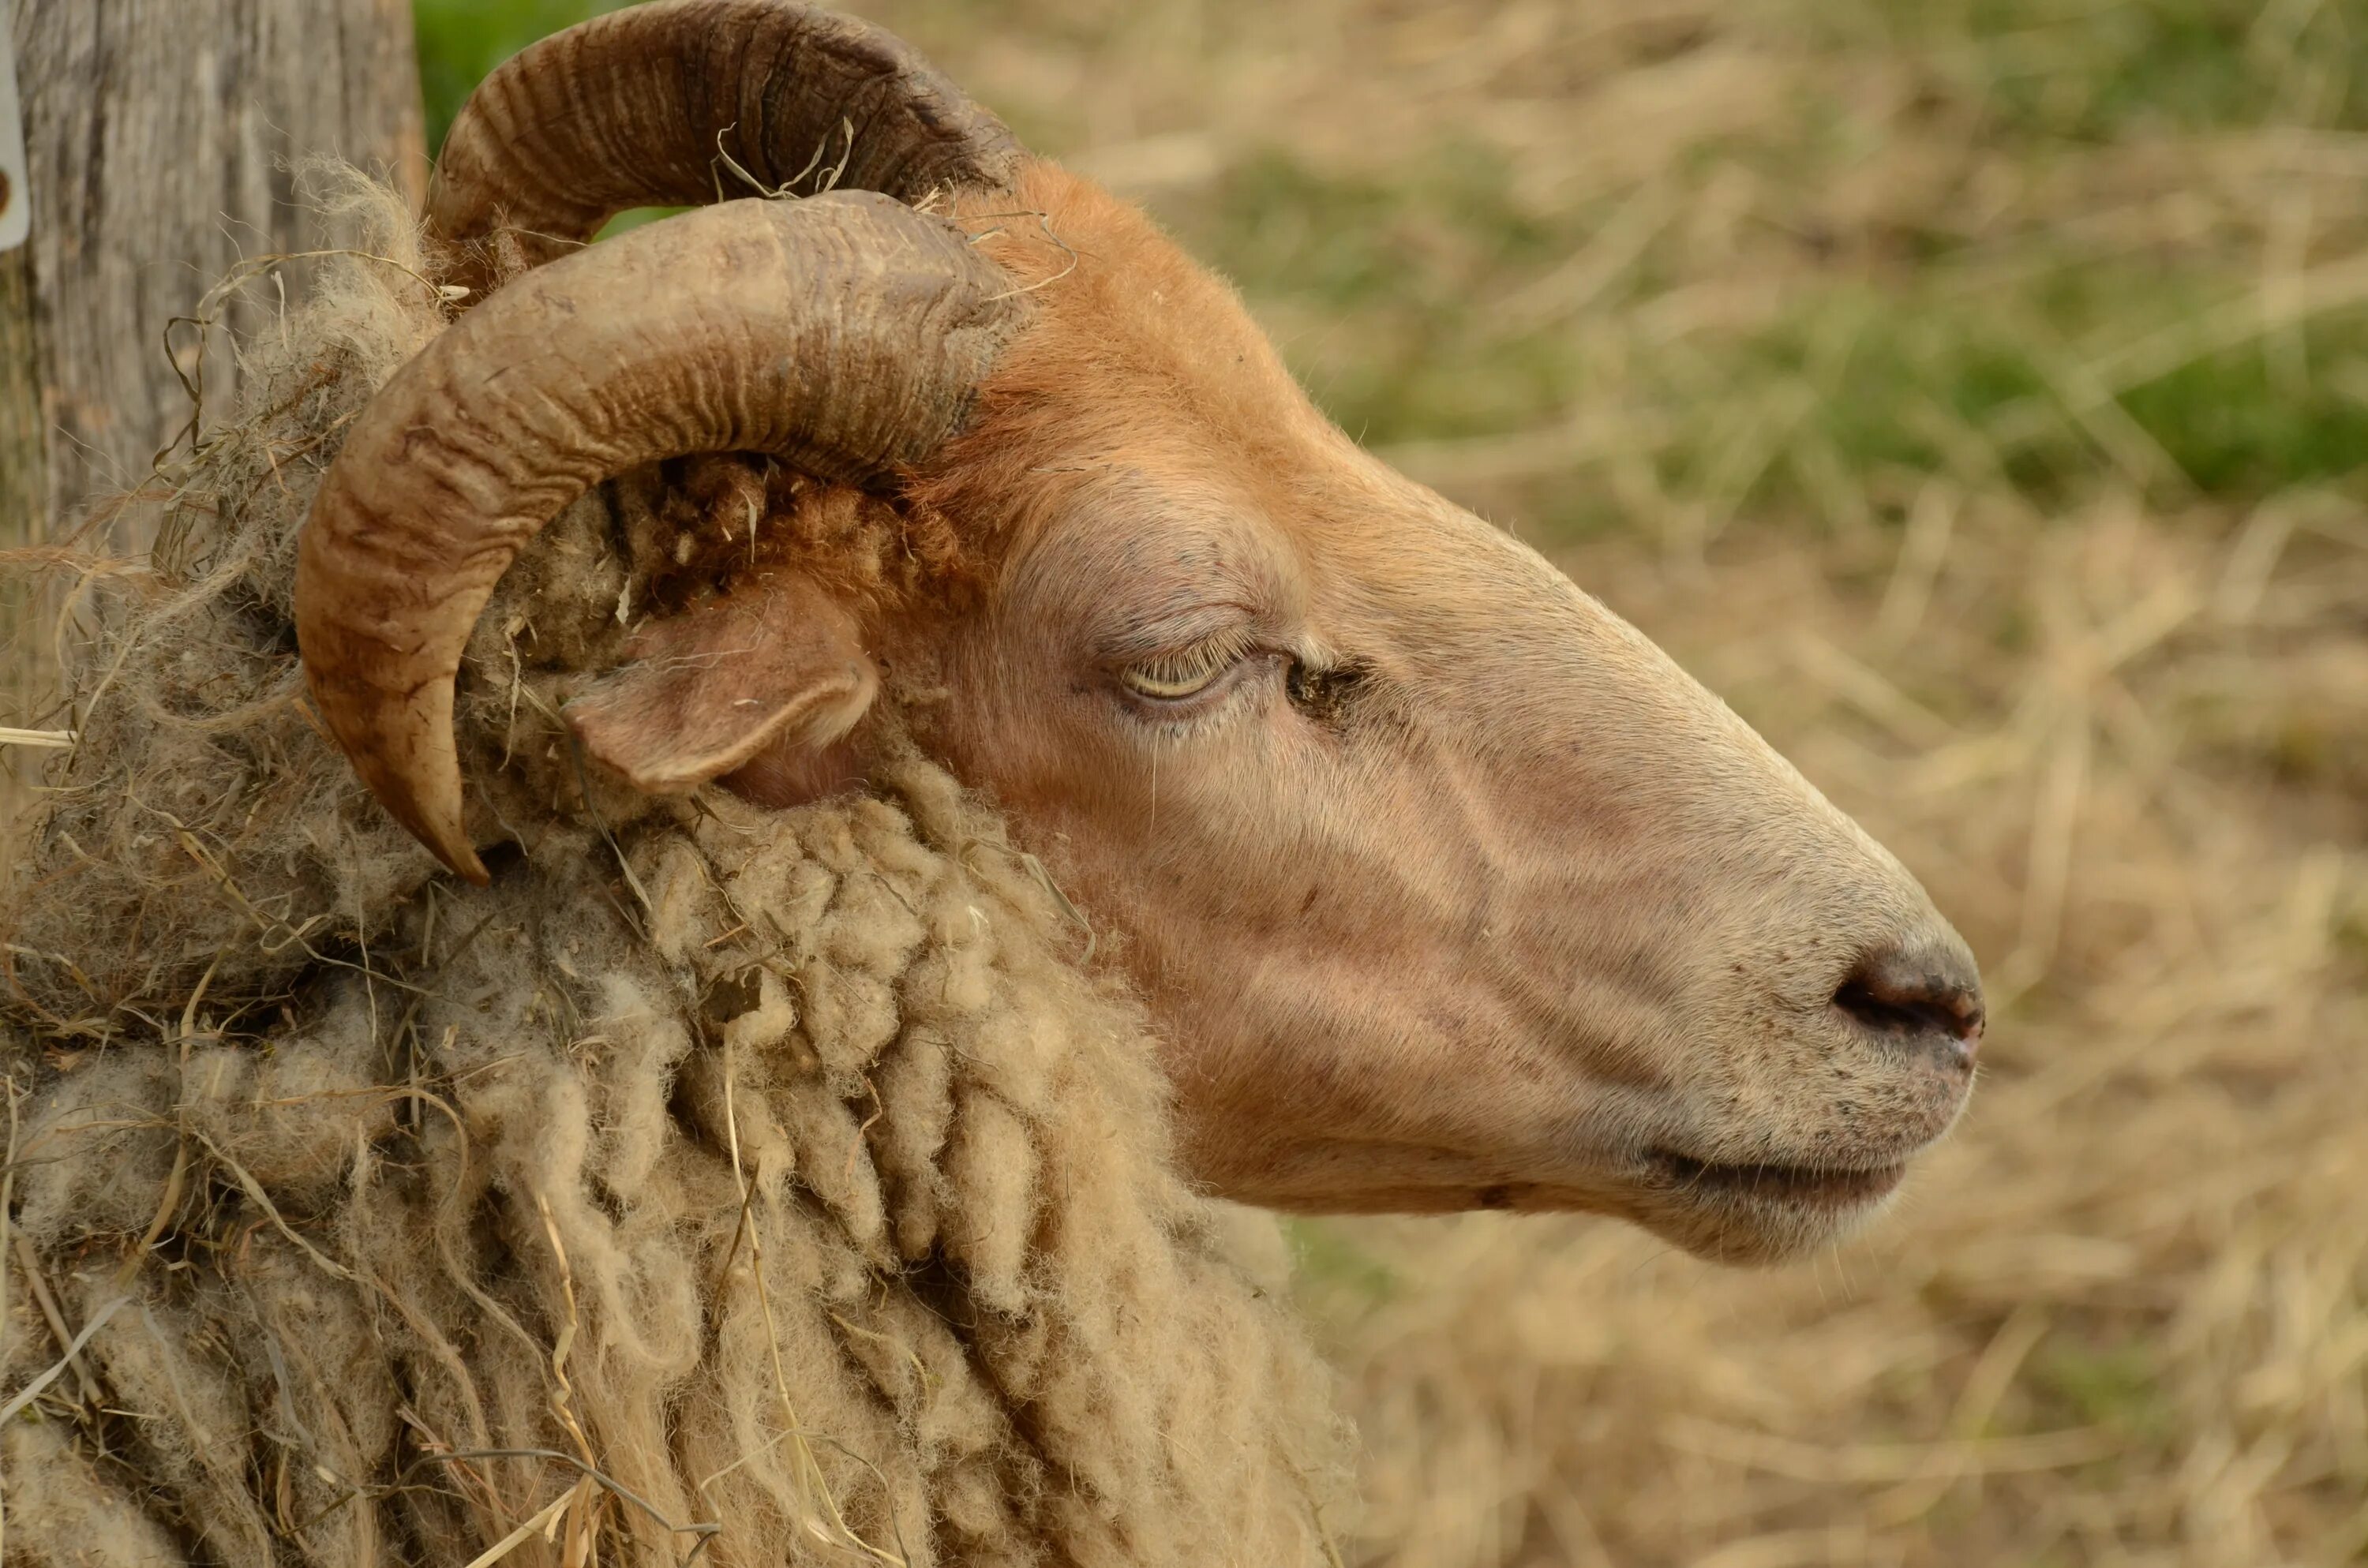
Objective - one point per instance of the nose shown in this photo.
(1925, 996)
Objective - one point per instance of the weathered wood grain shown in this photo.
(160, 134)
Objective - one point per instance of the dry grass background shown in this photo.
(1976, 393)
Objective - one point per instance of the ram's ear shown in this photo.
(757, 687)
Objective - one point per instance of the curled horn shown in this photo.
(641, 106)
(845, 333)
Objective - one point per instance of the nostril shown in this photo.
(1929, 998)
(1892, 1014)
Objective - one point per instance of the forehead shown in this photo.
(1174, 529)
(1141, 444)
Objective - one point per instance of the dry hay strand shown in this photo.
(754, 1187)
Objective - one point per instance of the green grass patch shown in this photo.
(1332, 1265)
(1381, 287)
(2082, 72)
(1390, 299)
(2237, 429)
(2113, 1385)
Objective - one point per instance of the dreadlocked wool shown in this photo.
(760, 1186)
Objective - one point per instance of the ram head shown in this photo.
(1446, 888)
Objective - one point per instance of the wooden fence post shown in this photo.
(159, 135)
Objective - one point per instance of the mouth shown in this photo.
(1816, 1187)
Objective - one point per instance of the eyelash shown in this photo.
(1187, 673)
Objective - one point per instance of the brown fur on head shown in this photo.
(1448, 887)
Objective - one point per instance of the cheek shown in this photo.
(1018, 724)
(1136, 810)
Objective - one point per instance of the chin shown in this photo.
(1758, 1215)
(1752, 1214)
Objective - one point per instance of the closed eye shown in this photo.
(1186, 672)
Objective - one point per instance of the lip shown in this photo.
(1782, 1186)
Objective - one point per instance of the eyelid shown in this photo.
(1180, 630)
(1178, 672)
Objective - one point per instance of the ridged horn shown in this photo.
(631, 110)
(845, 333)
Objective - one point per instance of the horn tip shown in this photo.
(402, 750)
(439, 830)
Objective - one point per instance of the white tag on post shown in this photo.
(16, 197)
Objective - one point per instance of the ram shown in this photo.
(943, 756)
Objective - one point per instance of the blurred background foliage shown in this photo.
(1975, 393)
